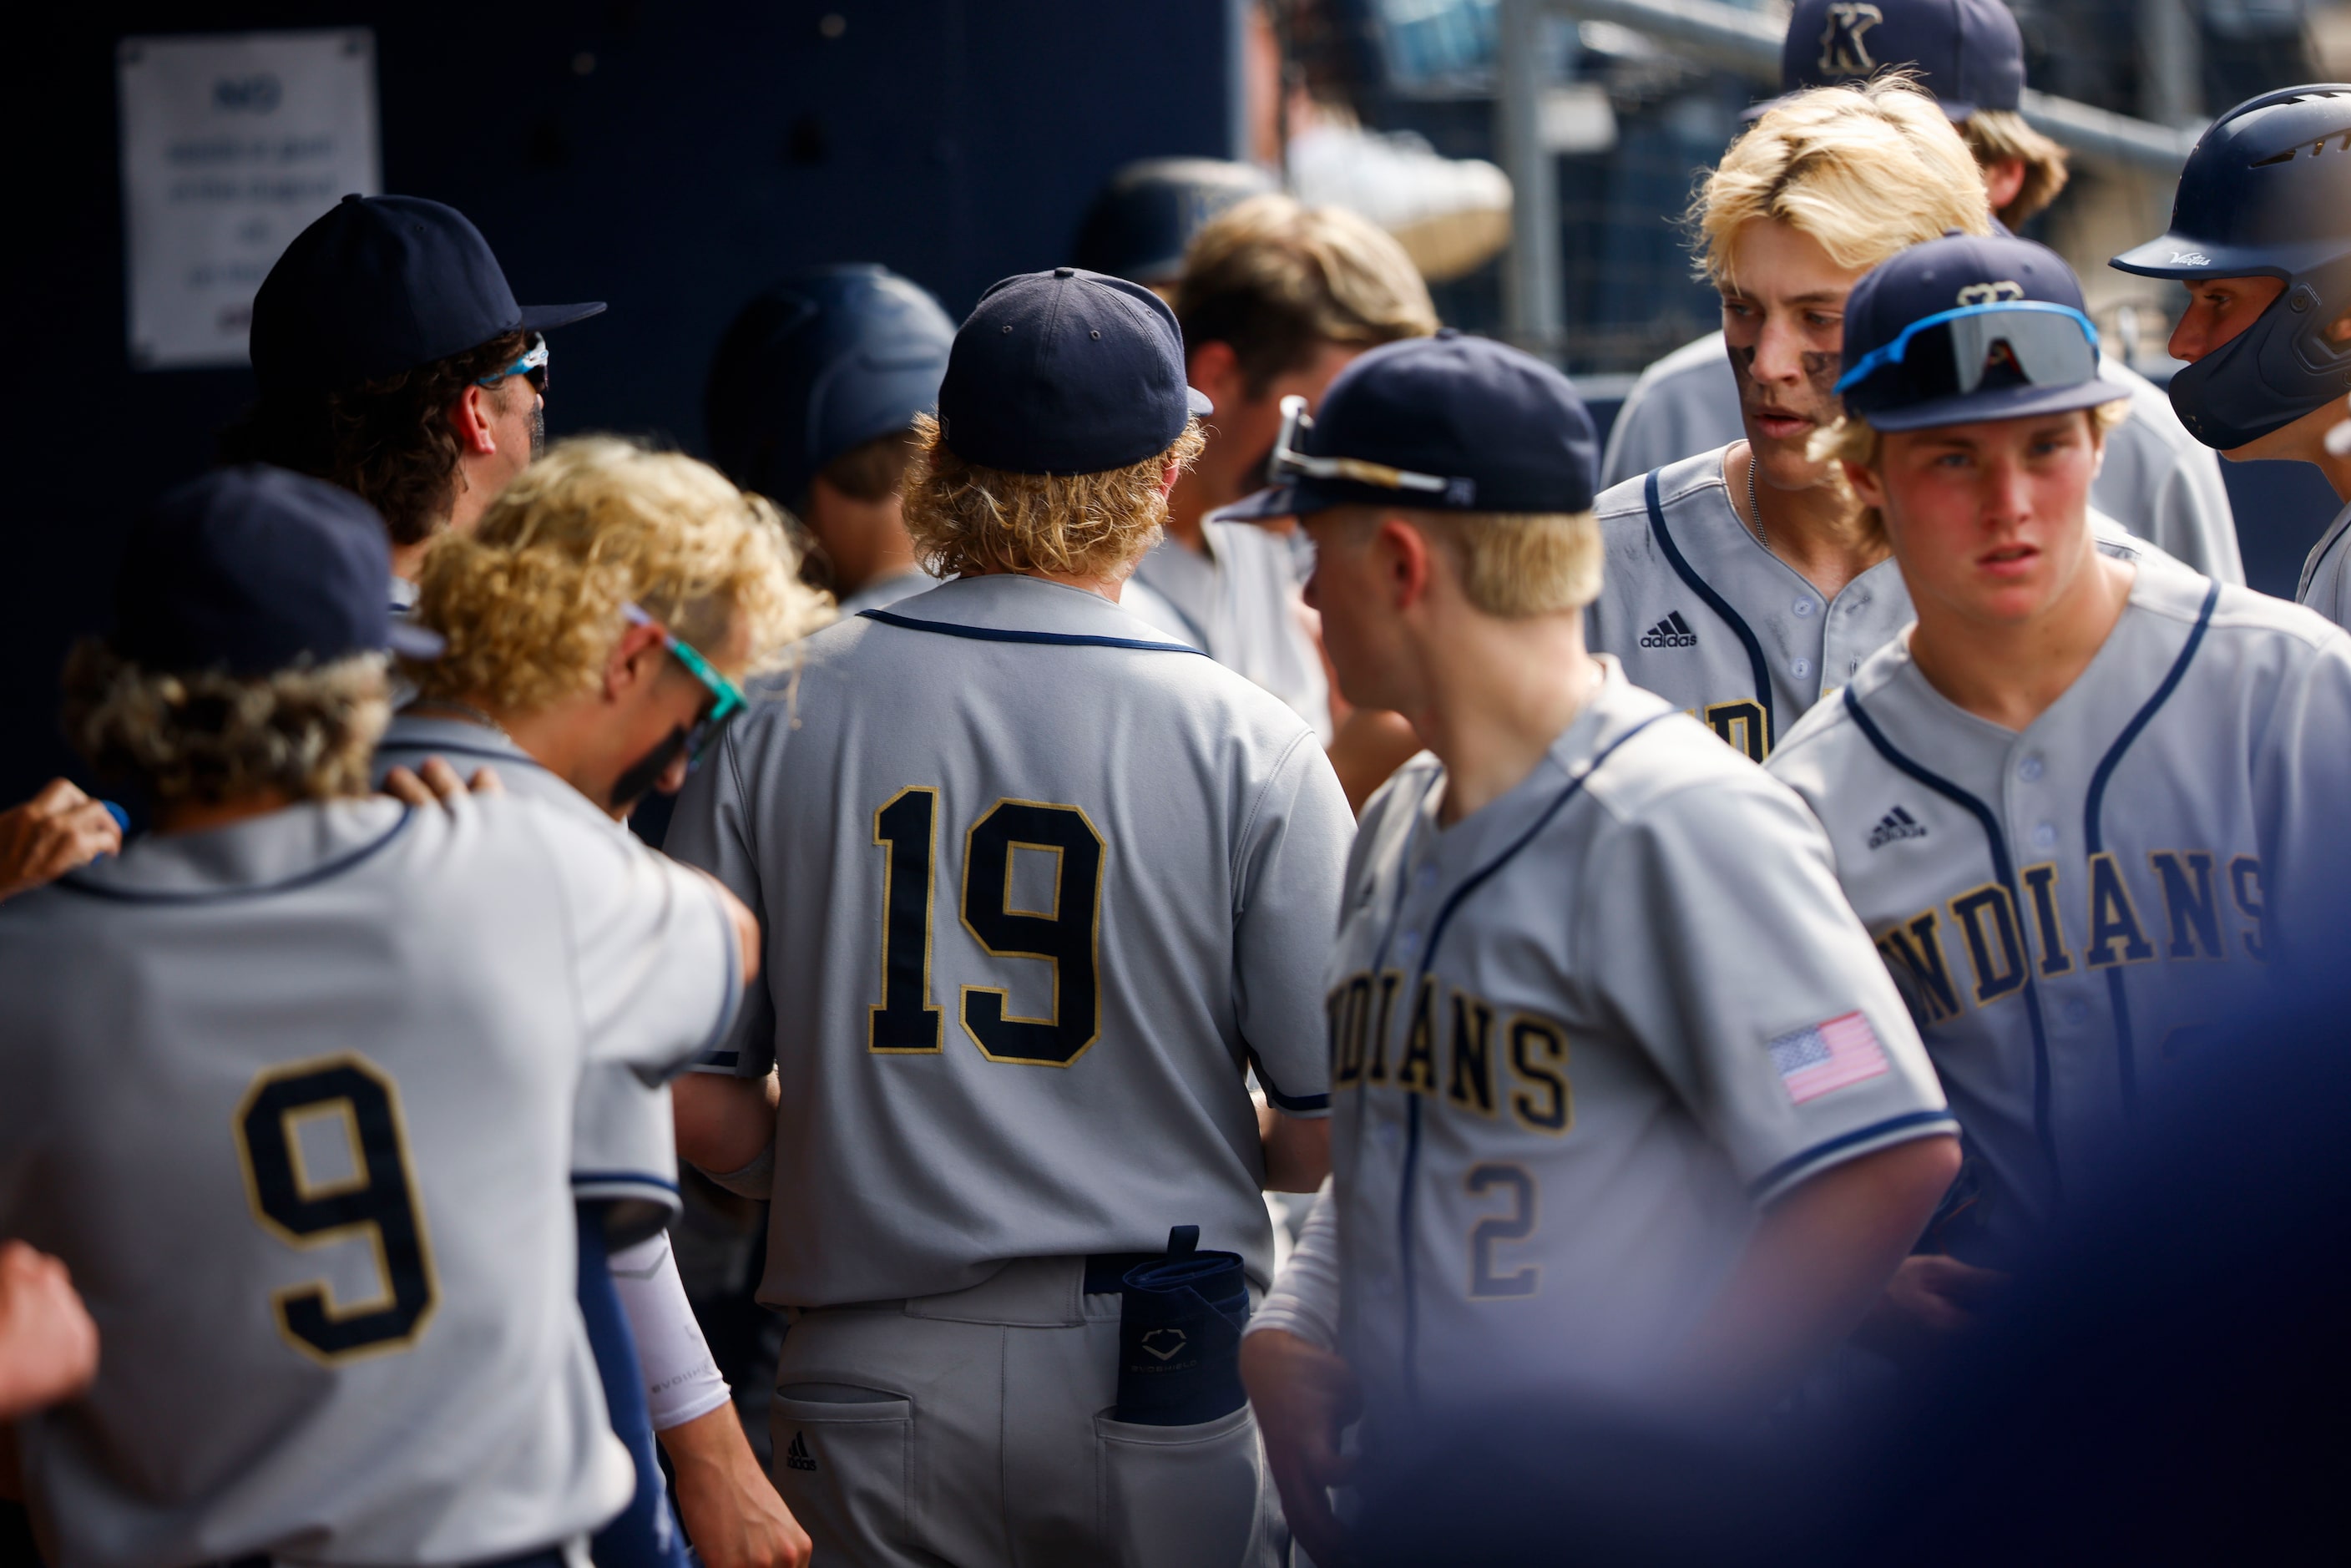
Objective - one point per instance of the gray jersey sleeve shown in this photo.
(1686, 403)
(711, 828)
(2325, 584)
(1729, 949)
(659, 976)
(1299, 827)
(2165, 486)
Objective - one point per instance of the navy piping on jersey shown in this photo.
(2093, 834)
(1756, 663)
(2004, 870)
(72, 882)
(1780, 1172)
(1462, 890)
(2310, 570)
(999, 634)
(622, 1178)
(1293, 1103)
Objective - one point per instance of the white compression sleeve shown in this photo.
(1305, 1300)
(681, 1381)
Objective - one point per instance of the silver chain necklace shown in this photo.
(1754, 505)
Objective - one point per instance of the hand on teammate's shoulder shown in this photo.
(437, 784)
(55, 832)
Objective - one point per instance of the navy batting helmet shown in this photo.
(2264, 194)
(821, 362)
(1142, 221)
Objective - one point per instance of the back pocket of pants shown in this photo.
(1186, 1497)
(843, 1461)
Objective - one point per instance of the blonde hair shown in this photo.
(964, 518)
(1276, 281)
(308, 732)
(531, 602)
(1867, 171)
(1993, 134)
(1511, 565)
(1852, 439)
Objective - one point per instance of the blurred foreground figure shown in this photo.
(291, 1083)
(394, 360)
(1626, 1114)
(1142, 222)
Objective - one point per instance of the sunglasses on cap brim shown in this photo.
(532, 364)
(726, 698)
(1290, 462)
(1954, 353)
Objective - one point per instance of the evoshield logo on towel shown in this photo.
(1163, 1345)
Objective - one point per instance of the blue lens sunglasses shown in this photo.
(2053, 344)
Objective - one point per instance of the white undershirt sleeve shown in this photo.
(1305, 1300)
(681, 1381)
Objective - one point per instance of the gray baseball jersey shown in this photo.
(1239, 600)
(1702, 614)
(1578, 1039)
(624, 1140)
(2069, 908)
(2159, 481)
(2325, 584)
(1039, 887)
(293, 1098)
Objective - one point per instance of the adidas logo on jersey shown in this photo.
(1673, 632)
(1897, 823)
(798, 1456)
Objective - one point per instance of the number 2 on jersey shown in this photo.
(376, 1202)
(1066, 934)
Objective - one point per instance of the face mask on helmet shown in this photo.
(2283, 366)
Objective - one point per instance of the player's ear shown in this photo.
(1215, 369)
(634, 661)
(1866, 483)
(470, 419)
(1407, 559)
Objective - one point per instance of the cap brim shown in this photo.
(409, 640)
(542, 317)
(2008, 402)
(2162, 257)
(1295, 500)
(1201, 407)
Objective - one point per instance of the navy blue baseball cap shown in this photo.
(381, 285)
(1969, 328)
(821, 362)
(1142, 222)
(1448, 424)
(256, 569)
(1066, 371)
(1968, 53)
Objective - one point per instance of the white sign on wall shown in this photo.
(232, 143)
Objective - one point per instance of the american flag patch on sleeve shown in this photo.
(1820, 1057)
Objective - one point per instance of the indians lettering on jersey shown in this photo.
(2189, 905)
(1452, 1051)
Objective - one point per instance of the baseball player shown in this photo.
(1274, 299)
(392, 360)
(2257, 239)
(1047, 886)
(2157, 481)
(327, 1234)
(1611, 1055)
(2086, 805)
(1744, 583)
(665, 558)
(1142, 221)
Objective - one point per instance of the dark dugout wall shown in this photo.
(669, 159)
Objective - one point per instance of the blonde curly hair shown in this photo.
(965, 517)
(207, 736)
(531, 602)
(1867, 171)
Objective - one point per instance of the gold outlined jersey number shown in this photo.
(1066, 934)
(377, 1203)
